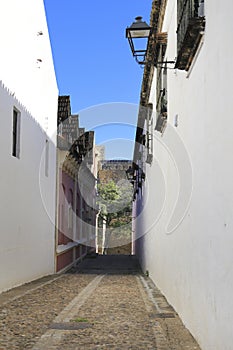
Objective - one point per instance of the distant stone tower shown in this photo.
(100, 155)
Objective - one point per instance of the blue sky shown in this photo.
(92, 57)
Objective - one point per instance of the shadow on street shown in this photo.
(108, 264)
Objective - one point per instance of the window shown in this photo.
(190, 29)
(161, 89)
(70, 210)
(46, 158)
(62, 200)
(201, 8)
(149, 134)
(16, 133)
(62, 218)
(70, 217)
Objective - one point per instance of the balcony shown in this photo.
(191, 26)
(161, 122)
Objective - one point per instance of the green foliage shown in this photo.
(114, 201)
(109, 192)
(80, 319)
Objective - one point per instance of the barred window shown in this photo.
(16, 133)
(161, 88)
(190, 28)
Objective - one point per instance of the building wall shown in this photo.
(26, 63)
(189, 255)
(99, 157)
(27, 206)
(74, 241)
(27, 183)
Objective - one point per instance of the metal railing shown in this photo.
(186, 10)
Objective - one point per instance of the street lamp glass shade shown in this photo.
(138, 35)
(138, 29)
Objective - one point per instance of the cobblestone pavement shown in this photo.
(105, 303)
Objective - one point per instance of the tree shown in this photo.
(115, 203)
(108, 196)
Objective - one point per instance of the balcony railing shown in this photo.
(191, 25)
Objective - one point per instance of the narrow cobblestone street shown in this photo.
(103, 303)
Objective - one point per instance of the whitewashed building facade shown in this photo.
(184, 146)
(28, 109)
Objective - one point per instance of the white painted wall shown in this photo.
(33, 82)
(193, 264)
(27, 206)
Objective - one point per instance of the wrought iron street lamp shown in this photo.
(138, 34)
(130, 174)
